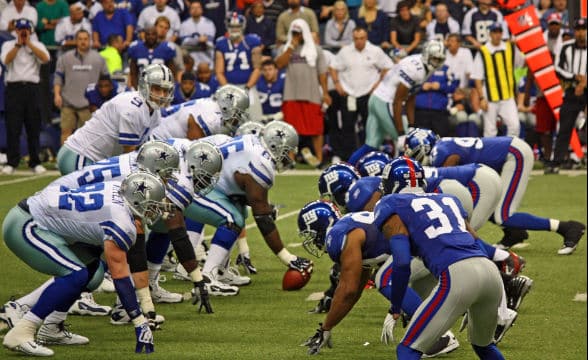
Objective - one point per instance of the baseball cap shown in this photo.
(580, 23)
(496, 26)
(554, 18)
(23, 24)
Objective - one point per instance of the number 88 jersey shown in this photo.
(436, 227)
(90, 214)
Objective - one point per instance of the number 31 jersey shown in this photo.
(90, 214)
(124, 120)
(436, 227)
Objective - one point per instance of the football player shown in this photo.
(44, 231)
(399, 86)
(433, 227)
(513, 159)
(151, 51)
(249, 165)
(121, 124)
(358, 248)
(195, 119)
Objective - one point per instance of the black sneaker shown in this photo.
(516, 289)
(512, 237)
(572, 231)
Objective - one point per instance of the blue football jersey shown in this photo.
(375, 249)
(462, 174)
(238, 66)
(436, 226)
(201, 91)
(271, 95)
(162, 54)
(489, 151)
(93, 95)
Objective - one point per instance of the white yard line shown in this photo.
(24, 179)
(254, 225)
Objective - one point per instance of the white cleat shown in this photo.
(160, 295)
(446, 344)
(86, 305)
(12, 311)
(504, 325)
(231, 276)
(217, 288)
(21, 338)
(58, 334)
(107, 285)
(31, 348)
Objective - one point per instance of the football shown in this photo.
(295, 280)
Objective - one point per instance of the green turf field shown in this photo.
(264, 322)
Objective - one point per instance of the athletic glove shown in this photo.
(200, 295)
(387, 336)
(153, 324)
(301, 264)
(318, 340)
(144, 338)
(323, 305)
(275, 211)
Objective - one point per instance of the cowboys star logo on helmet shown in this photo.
(141, 188)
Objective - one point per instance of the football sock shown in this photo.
(31, 298)
(56, 317)
(242, 244)
(527, 222)
(359, 153)
(489, 352)
(156, 247)
(216, 258)
(154, 270)
(406, 353)
(554, 224)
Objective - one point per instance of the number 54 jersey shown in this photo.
(436, 227)
(90, 214)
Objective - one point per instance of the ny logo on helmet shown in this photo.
(309, 217)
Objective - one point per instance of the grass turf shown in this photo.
(264, 322)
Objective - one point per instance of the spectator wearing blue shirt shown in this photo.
(270, 88)
(258, 23)
(375, 21)
(102, 91)
(189, 89)
(431, 102)
(205, 76)
(111, 21)
(150, 51)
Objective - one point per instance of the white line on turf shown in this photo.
(254, 225)
(581, 297)
(28, 178)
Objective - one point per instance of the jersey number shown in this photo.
(86, 198)
(231, 58)
(98, 174)
(435, 212)
(232, 147)
(275, 100)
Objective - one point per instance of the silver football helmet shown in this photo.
(159, 158)
(250, 127)
(433, 54)
(144, 193)
(234, 104)
(204, 162)
(280, 139)
(160, 77)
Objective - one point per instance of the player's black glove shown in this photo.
(200, 295)
(153, 324)
(323, 305)
(318, 340)
(301, 264)
(275, 211)
(144, 338)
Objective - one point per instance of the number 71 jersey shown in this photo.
(90, 214)
(436, 227)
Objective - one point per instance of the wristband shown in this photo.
(139, 320)
(126, 293)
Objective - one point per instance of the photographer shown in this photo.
(23, 58)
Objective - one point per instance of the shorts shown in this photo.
(545, 119)
(72, 118)
(306, 117)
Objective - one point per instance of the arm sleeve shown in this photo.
(400, 249)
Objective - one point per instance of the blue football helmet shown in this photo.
(372, 164)
(403, 174)
(314, 220)
(418, 145)
(335, 181)
(235, 23)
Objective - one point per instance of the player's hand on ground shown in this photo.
(320, 339)
(200, 295)
(144, 338)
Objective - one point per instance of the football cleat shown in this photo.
(11, 312)
(31, 348)
(86, 305)
(231, 276)
(572, 231)
(245, 263)
(169, 262)
(516, 289)
(161, 295)
(512, 265)
(58, 334)
(504, 325)
(119, 316)
(107, 285)
(217, 288)
(446, 344)
(181, 274)
(512, 237)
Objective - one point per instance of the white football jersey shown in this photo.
(124, 120)
(245, 155)
(410, 71)
(90, 214)
(174, 119)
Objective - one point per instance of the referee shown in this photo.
(570, 65)
(23, 58)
